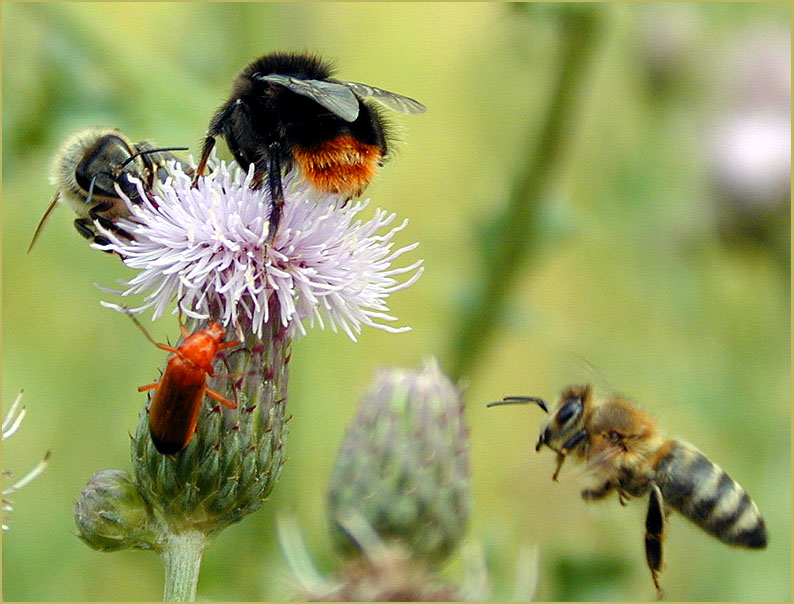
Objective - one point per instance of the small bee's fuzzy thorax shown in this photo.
(700, 490)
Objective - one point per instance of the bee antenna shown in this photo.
(148, 151)
(91, 190)
(521, 400)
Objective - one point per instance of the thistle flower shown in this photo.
(206, 247)
(11, 423)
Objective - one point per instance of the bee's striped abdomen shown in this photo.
(704, 493)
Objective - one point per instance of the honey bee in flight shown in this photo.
(625, 453)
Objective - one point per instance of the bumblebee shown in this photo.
(286, 110)
(86, 170)
(625, 453)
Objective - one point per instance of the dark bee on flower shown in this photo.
(286, 110)
(88, 167)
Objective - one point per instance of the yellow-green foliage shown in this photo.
(637, 280)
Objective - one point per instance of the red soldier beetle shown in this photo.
(179, 394)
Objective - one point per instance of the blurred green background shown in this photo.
(658, 265)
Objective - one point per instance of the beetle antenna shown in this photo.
(129, 313)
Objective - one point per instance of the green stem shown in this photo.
(515, 234)
(182, 559)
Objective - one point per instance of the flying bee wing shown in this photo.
(392, 100)
(334, 96)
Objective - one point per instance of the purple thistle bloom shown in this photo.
(206, 247)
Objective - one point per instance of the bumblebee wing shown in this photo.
(392, 100)
(44, 218)
(336, 97)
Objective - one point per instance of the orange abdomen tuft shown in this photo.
(341, 165)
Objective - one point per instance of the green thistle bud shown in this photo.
(235, 457)
(111, 514)
(403, 466)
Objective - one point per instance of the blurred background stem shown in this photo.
(514, 236)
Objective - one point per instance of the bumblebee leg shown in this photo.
(216, 128)
(276, 188)
(654, 533)
(206, 149)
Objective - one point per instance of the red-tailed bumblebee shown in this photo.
(88, 166)
(286, 110)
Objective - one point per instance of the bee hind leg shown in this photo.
(654, 533)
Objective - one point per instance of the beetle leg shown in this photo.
(148, 387)
(221, 399)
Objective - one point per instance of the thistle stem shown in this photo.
(515, 235)
(182, 560)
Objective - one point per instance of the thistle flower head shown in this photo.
(206, 247)
(403, 466)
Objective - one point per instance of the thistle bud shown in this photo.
(403, 466)
(111, 515)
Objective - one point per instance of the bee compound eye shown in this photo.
(568, 411)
